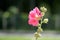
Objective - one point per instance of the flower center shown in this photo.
(37, 17)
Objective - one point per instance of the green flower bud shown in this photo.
(43, 9)
(37, 35)
(45, 20)
(39, 30)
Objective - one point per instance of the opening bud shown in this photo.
(45, 20)
(43, 9)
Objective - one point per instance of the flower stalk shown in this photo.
(39, 30)
(35, 16)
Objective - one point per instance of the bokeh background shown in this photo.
(14, 15)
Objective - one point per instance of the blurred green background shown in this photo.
(14, 19)
(14, 14)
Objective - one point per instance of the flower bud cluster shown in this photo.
(37, 34)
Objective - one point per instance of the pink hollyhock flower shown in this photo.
(33, 22)
(35, 14)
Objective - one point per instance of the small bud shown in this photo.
(45, 20)
(39, 30)
(43, 9)
(37, 35)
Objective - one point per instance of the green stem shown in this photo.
(41, 22)
(40, 26)
(36, 38)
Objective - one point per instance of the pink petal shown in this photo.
(33, 22)
(31, 15)
(36, 10)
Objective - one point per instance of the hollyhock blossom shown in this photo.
(34, 17)
(35, 14)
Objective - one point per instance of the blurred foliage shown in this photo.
(19, 9)
(13, 9)
(6, 14)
